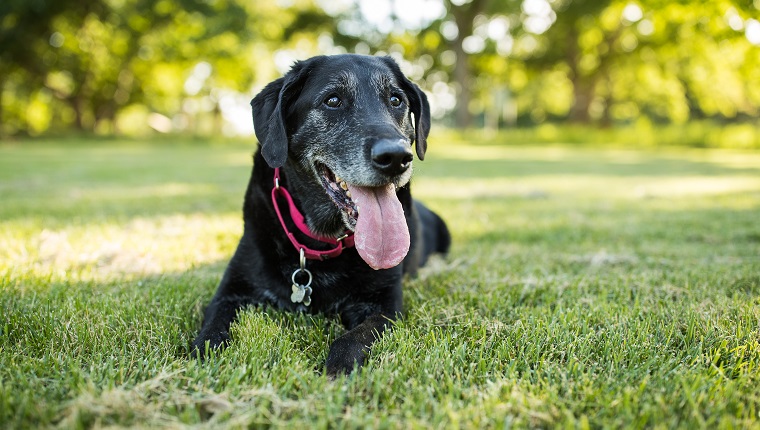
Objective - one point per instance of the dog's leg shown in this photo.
(352, 348)
(219, 315)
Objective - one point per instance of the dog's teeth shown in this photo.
(343, 185)
(338, 178)
(348, 193)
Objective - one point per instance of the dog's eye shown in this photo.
(395, 101)
(333, 102)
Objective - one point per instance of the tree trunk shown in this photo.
(582, 87)
(583, 94)
(463, 77)
(106, 112)
(463, 17)
(76, 103)
(2, 89)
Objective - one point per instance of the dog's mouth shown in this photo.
(374, 214)
(337, 190)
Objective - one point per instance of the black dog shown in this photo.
(330, 224)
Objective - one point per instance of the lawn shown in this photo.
(587, 287)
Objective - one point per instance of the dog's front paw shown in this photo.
(346, 354)
(205, 343)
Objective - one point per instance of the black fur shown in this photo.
(297, 129)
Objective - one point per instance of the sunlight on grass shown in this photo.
(158, 190)
(140, 247)
(698, 186)
(539, 187)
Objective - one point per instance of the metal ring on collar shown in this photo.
(297, 271)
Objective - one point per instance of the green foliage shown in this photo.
(101, 58)
(641, 134)
(113, 66)
(589, 287)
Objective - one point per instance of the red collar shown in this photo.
(345, 241)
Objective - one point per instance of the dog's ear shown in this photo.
(269, 110)
(418, 104)
(421, 109)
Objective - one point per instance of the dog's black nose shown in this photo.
(391, 156)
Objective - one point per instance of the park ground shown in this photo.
(589, 286)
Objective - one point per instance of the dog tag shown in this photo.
(301, 293)
(298, 293)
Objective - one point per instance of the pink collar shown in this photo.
(347, 240)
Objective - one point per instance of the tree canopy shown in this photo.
(192, 65)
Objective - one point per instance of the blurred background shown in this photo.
(675, 72)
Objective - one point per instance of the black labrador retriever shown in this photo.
(330, 223)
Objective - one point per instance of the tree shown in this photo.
(656, 58)
(25, 31)
(83, 63)
(88, 63)
(463, 15)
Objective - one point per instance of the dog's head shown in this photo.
(355, 93)
(347, 122)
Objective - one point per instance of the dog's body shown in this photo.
(340, 131)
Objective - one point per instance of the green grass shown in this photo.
(587, 287)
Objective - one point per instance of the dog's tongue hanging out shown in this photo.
(381, 235)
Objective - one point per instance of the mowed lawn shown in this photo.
(586, 287)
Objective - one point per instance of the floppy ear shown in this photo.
(269, 115)
(418, 104)
(421, 109)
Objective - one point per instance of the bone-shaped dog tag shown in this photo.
(301, 292)
(298, 293)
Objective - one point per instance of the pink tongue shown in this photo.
(381, 235)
